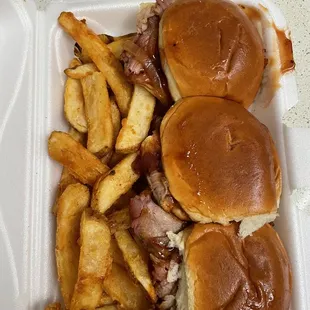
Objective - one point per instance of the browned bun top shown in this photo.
(227, 272)
(210, 47)
(220, 161)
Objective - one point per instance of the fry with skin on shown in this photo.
(119, 220)
(98, 114)
(102, 57)
(74, 102)
(112, 186)
(137, 125)
(121, 287)
(116, 119)
(66, 177)
(82, 164)
(81, 71)
(105, 300)
(70, 205)
(95, 262)
(135, 260)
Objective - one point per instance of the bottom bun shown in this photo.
(223, 271)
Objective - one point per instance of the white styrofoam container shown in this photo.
(33, 54)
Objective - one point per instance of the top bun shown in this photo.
(222, 271)
(211, 48)
(220, 161)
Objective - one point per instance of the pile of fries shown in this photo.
(100, 265)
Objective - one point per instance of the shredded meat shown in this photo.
(151, 223)
(149, 220)
(141, 55)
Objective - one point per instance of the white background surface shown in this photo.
(33, 54)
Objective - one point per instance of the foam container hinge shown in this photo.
(33, 54)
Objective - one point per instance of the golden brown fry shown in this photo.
(135, 260)
(66, 177)
(105, 300)
(95, 262)
(74, 102)
(82, 164)
(121, 287)
(117, 46)
(101, 56)
(98, 114)
(70, 206)
(116, 119)
(117, 254)
(77, 136)
(81, 71)
(124, 37)
(119, 220)
(137, 125)
(112, 186)
(83, 56)
(108, 307)
(53, 306)
(105, 38)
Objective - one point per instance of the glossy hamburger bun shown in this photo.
(223, 271)
(220, 163)
(210, 47)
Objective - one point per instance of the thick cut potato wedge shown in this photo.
(119, 220)
(98, 114)
(102, 57)
(54, 306)
(81, 71)
(95, 262)
(116, 119)
(74, 102)
(121, 287)
(105, 300)
(135, 260)
(117, 254)
(70, 205)
(137, 125)
(82, 164)
(66, 177)
(109, 188)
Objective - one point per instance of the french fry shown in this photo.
(54, 306)
(74, 102)
(98, 114)
(135, 260)
(124, 37)
(137, 125)
(105, 300)
(117, 48)
(66, 177)
(82, 164)
(116, 119)
(108, 307)
(110, 187)
(95, 262)
(119, 220)
(117, 254)
(70, 205)
(121, 287)
(81, 71)
(101, 56)
(83, 56)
